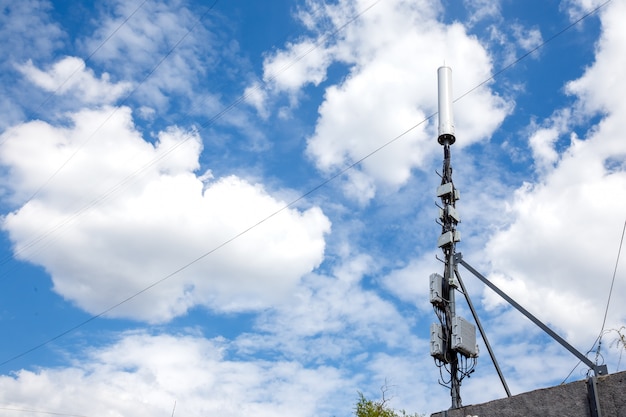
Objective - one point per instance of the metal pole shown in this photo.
(593, 398)
(448, 228)
(448, 277)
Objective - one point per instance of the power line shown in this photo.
(287, 206)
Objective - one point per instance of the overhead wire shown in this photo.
(333, 177)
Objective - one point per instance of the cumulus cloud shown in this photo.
(164, 48)
(527, 38)
(147, 375)
(563, 242)
(298, 64)
(307, 357)
(70, 76)
(124, 213)
(600, 89)
(556, 248)
(566, 269)
(337, 319)
(542, 144)
(331, 315)
(543, 138)
(410, 282)
(390, 87)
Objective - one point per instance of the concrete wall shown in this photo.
(568, 400)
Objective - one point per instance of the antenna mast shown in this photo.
(453, 339)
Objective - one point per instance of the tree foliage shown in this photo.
(370, 408)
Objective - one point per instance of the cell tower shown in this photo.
(453, 339)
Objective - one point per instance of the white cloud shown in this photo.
(299, 64)
(39, 42)
(562, 245)
(527, 39)
(42, 38)
(601, 88)
(338, 319)
(163, 46)
(578, 8)
(483, 9)
(124, 213)
(411, 284)
(256, 97)
(391, 86)
(145, 375)
(306, 357)
(543, 138)
(563, 242)
(542, 144)
(396, 374)
(70, 75)
(334, 314)
(359, 187)
(509, 41)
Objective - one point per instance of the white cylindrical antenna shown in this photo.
(446, 118)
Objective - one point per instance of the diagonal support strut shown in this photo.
(597, 369)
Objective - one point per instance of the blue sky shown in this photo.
(176, 170)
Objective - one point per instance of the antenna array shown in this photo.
(453, 339)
